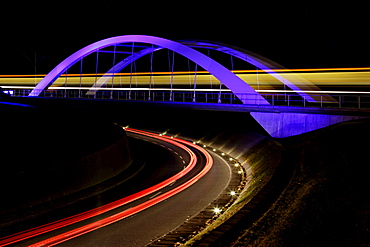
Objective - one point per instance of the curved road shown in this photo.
(147, 225)
(160, 219)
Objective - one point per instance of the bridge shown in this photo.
(283, 102)
(189, 75)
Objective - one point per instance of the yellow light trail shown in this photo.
(201, 72)
(344, 77)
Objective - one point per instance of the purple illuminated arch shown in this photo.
(291, 80)
(242, 90)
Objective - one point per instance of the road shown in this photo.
(139, 229)
(160, 219)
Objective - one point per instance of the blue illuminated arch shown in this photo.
(291, 80)
(242, 90)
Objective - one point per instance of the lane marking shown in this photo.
(155, 195)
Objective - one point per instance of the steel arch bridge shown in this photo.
(240, 88)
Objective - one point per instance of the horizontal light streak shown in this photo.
(123, 89)
(191, 90)
(318, 78)
(198, 72)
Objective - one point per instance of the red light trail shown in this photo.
(113, 205)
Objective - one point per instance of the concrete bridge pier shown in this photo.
(285, 124)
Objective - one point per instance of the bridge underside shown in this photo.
(277, 121)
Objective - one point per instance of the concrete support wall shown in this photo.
(284, 124)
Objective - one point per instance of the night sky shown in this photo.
(295, 36)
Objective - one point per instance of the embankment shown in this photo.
(327, 202)
(49, 154)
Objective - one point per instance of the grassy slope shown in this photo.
(327, 202)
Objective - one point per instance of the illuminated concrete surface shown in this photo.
(284, 124)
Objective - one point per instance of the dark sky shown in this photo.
(296, 36)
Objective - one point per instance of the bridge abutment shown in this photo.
(285, 124)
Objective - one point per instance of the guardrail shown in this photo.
(359, 100)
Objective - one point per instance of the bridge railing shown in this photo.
(141, 95)
(359, 101)
(345, 100)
